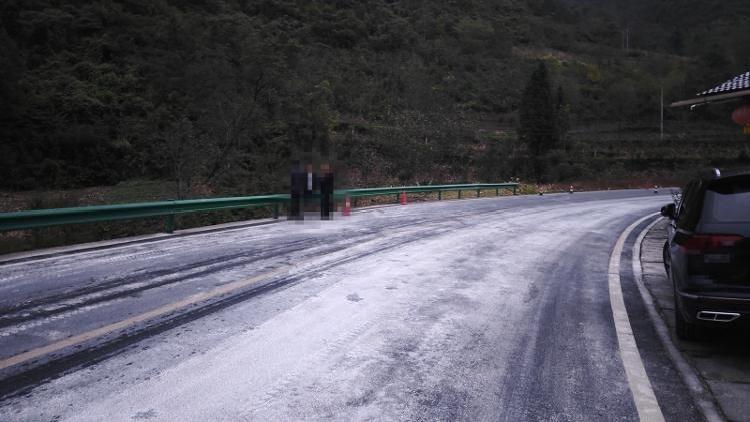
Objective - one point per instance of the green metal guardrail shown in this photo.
(60, 216)
(355, 193)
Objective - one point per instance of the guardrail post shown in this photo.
(479, 193)
(459, 194)
(440, 195)
(169, 220)
(169, 223)
(514, 189)
(497, 191)
(275, 211)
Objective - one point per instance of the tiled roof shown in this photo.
(739, 83)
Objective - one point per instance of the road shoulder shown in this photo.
(36, 254)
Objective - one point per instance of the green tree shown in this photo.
(562, 116)
(537, 118)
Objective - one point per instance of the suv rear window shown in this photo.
(728, 200)
(691, 205)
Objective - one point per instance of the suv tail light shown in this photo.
(702, 243)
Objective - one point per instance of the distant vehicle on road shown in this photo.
(707, 253)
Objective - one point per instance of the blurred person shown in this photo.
(297, 190)
(310, 184)
(326, 191)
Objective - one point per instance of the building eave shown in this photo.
(706, 99)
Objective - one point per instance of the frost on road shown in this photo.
(471, 310)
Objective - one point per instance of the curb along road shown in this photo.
(697, 389)
(640, 386)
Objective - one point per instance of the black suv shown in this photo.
(707, 253)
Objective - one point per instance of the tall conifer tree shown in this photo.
(538, 118)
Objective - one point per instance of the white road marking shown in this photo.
(700, 396)
(640, 386)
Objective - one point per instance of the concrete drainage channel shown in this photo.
(721, 362)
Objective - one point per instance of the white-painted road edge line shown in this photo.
(700, 395)
(640, 385)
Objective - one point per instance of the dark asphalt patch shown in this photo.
(571, 340)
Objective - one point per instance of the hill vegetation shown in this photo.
(217, 97)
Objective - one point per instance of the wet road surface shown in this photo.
(480, 309)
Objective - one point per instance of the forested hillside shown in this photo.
(219, 96)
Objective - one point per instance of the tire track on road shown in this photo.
(50, 362)
(120, 287)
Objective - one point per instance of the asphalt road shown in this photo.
(480, 309)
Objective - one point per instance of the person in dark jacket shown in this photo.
(326, 192)
(297, 190)
(310, 184)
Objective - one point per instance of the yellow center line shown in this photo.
(107, 329)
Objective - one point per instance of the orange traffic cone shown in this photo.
(403, 198)
(347, 207)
